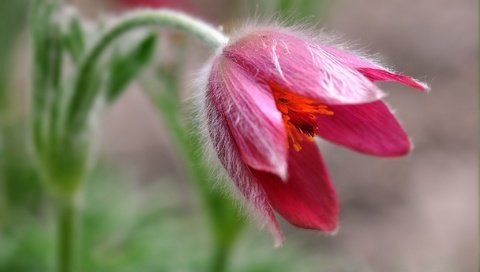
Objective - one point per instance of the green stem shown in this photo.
(67, 231)
(134, 20)
(225, 220)
(220, 257)
(221, 212)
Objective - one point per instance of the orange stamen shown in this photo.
(299, 115)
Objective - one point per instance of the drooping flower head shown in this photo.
(269, 92)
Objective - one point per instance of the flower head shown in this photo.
(269, 92)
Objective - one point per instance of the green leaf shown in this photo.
(74, 39)
(48, 51)
(40, 22)
(91, 87)
(124, 68)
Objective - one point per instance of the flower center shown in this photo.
(299, 115)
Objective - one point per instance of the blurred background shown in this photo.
(417, 213)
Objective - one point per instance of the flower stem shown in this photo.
(224, 218)
(220, 257)
(163, 18)
(67, 231)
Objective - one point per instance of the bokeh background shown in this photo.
(417, 213)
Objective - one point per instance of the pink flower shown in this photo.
(269, 93)
(174, 4)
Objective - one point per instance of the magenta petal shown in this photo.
(307, 199)
(284, 60)
(372, 71)
(251, 115)
(368, 128)
(375, 74)
(228, 154)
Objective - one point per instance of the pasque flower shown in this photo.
(269, 92)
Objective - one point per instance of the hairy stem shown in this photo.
(67, 231)
(139, 19)
(225, 220)
(220, 257)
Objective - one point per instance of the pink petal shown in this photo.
(286, 61)
(251, 115)
(184, 5)
(385, 75)
(230, 157)
(368, 128)
(307, 199)
(372, 71)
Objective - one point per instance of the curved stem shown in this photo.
(163, 18)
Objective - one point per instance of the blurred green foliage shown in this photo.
(310, 11)
(19, 187)
(65, 105)
(125, 67)
(12, 20)
(61, 157)
(129, 227)
(62, 145)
